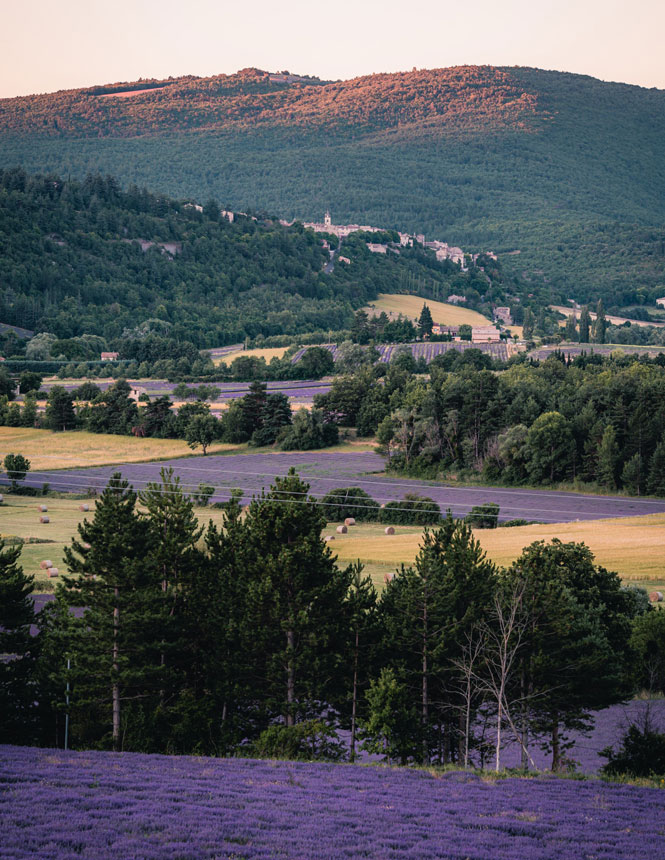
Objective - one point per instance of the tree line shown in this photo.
(591, 420)
(259, 417)
(250, 639)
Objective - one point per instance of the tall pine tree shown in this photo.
(17, 649)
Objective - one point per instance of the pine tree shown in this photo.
(60, 413)
(632, 476)
(656, 479)
(295, 604)
(360, 611)
(17, 649)
(426, 611)
(121, 640)
(608, 459)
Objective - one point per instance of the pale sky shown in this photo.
(47, 46)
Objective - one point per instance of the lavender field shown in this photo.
(324, 471)
(297, 389)
(60, 806)
(428, 351)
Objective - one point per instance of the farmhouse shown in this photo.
(109, 356)
(661, 302)
(503, 314)
(485, 334)
(455, 300)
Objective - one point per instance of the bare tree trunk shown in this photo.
(524, 730)
(115, 692)
(290, 676)
(355, 699)
(556, 746)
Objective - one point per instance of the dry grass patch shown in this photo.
(77, 448)
(267, 352)
(411, 306)
(632, 546)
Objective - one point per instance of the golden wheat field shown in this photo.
(632, 546)
(266, 352)
(47, 450)
(411, 306)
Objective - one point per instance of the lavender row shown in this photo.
(324, 471)
(425, 350)
(61, 806)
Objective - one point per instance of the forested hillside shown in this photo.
(565, 169)
(89, 258)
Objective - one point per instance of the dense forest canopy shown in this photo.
(563, 168)
(89, 258)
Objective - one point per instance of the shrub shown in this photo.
(483, 516)
(412, 510)
(312, 740)
(642, 753)
(346, 502)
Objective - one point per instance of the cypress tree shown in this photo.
(585, 325)
(425, 321)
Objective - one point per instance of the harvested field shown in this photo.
(632, 546)
(411, 306)
(266, 352)
(47, 451)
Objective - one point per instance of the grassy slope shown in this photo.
(265, 352)
(411, 306)
(578, 186)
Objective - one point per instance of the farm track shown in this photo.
(325, 471)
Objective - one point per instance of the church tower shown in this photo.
(327, 220)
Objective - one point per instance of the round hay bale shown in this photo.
(1, 498)
(329, 537)
(42, 508)
(349, 521)
(84, 508)
(44, 520)
(46, 564)
(52, 571)
(388, 577)
(341, 530)
(389, 530)
(656, 596)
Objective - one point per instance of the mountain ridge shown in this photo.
(568, 169)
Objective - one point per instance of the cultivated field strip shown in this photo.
(251, 473)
